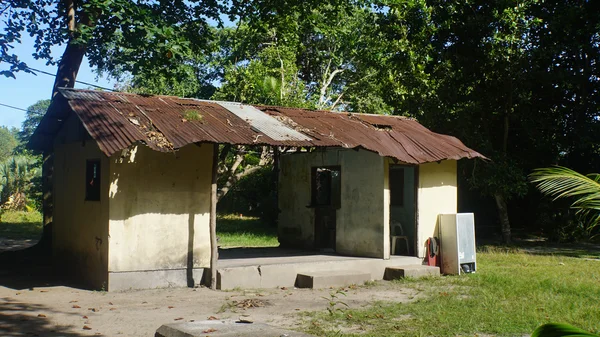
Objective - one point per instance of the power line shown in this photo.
(13, 107)
(78, 81)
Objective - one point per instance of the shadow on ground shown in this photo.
(584, 250)
(20, 319)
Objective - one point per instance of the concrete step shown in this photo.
(414, 271)
(331, 278)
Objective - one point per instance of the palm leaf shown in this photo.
(561, 182)
(560, 330)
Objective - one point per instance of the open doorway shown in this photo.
(403, 209)
(326, 200)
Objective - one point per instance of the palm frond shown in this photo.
(561, 182)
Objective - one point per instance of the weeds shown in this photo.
(334, 302)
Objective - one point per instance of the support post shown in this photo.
(214, 250)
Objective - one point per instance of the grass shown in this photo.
(234, 231)
(21, 225)
(511, 294)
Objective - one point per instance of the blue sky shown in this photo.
(27, 89)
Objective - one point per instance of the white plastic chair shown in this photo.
(399, 235)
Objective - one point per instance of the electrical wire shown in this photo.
(13, 107)
(77, 81)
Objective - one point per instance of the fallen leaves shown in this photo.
(212, 318)
(209, 330)
(86, 327)
(75, 306)
(170, 307)
(249, 303)
(178, 319)
(41, 315)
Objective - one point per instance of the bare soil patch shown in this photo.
(65, 311)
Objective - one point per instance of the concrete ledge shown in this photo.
(150, 279)
(224, 329)
(324, 279)
(394, 273)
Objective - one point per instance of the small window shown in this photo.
(92, 180)
(326, 186)
(397, 187)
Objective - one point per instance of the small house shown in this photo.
(132, 182)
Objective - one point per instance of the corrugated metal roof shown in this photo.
(263, 122)
(118, 120)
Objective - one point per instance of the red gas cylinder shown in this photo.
(433, 249)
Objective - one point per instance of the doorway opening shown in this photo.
(326, 195)
(403, 209)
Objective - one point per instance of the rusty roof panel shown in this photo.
(165, 123)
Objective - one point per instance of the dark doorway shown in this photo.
(326, 200)
(403, 209)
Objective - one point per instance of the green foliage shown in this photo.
(119, 35)
(8, 142)
(334, 303)
(192, 115)
(255, 195)
(33, 117)
(560, 330)
(20, 181)
(561, 182)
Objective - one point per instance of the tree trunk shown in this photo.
(503, 214)
(214, 249)
(65, 77)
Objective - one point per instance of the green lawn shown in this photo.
(510, 295)
(234, 231)
(20, 225)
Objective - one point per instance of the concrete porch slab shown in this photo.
(414, 271)
(224, 329)
(271, 268)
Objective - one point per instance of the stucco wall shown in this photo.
(437, 194)
(360, 219)
(160, 209)
(80, 227)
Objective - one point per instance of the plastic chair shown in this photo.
(398, 235)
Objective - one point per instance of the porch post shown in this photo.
(214, 250)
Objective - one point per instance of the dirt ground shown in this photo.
(65, 311)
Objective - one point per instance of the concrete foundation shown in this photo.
(151, 279)
(224, 329)
(280, 268)
(325, 279)
(394, 273)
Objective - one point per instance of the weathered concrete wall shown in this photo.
(359, 226)
(80, 227)
(437, 194)
(159, 214)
